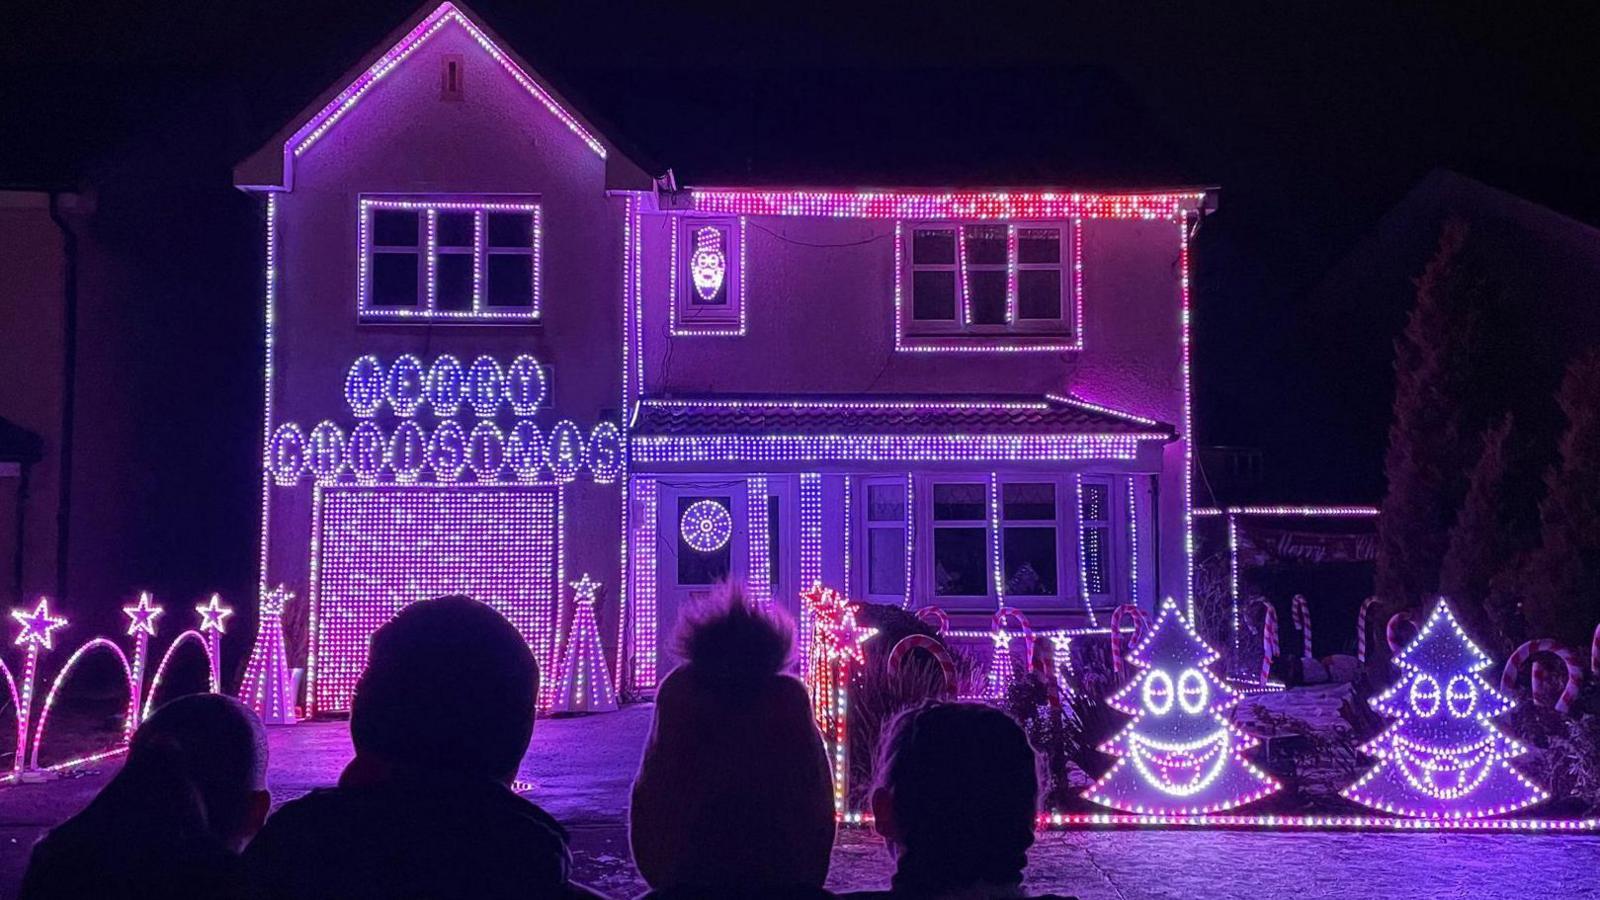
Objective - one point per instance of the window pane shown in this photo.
(985, 244)
(960, 565)
(886, 561)
(511, 230)
(1038, 245)
(394, 227)
(1033, 502)
(1096, 548)
(695, 567)
(1030, 561)
(1039, 294)
(960, 502)
(394, 279)
(933, 246)
(454, 229)
(933, 295)
(986, 293)
(1095, 497)
(886, 503)
(510, 280)
(453, 282)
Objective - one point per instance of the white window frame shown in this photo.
(1058, 522)
(686, 319)
(428, 251)
(864, 526)
(1061, 333)
(928, 527)
(1115, 534)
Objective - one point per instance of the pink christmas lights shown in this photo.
(584, 684)
(426, 304)
(666, 449)
(267, 686)
(956, 205)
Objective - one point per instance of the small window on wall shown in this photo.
(472, 260)
(707, 294)
(705, 529)
(884, 521)
(961, 539)
(1094, 511)
(988, 279)
(1028, 540)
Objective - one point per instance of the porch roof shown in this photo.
(885, 415)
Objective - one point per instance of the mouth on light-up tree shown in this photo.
(1441, 757)
(1178, 756)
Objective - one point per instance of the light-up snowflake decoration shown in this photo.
(708, 265)
(1178, 755)
(706, 526)
(1442, 758)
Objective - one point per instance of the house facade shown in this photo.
(502, 355)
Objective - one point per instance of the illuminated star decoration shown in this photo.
(274, 602)
(37, 625)
(586, 588)
(212, 614)
(836, 621)
(142, 615)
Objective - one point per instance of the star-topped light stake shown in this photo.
(141, 627)
(584, 681)
(268, 688)
(836, 646)
(213, 618)
(37, 628)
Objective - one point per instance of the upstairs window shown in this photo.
(707, 291)
(989, 280)
(468, 260)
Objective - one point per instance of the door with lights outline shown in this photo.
(703, 533)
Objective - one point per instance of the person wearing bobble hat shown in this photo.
(734, 797)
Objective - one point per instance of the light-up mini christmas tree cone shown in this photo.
(1178, 756)
(1442, 757)
(585, 682)
(35, 635)
(268, 688)
(141, 627)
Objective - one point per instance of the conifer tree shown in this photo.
(1482, 543)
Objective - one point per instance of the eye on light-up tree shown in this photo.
(1442, 758)
(1178, 756)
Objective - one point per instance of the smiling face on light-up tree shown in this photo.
(1178, 755)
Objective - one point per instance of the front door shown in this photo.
(703, 541)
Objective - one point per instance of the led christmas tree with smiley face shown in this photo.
(1442, 758)
(1178, 756)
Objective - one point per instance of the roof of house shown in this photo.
(822, 414)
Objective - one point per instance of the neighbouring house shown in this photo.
(504, 353)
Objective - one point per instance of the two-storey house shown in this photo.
(501, 354)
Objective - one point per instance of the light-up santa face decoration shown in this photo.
(1442, 756)
(1178, 755)
(708, 265)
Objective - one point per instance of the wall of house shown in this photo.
(821, 319)
(403, 138)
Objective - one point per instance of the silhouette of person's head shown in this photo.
(208, 754)
(449, 686)
(957, 796)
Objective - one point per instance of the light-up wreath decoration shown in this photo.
(706, 526)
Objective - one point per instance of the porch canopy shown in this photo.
(818, 432)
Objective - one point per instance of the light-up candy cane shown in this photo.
(213, 616)
(1361, 627)
(268, 687)
(1000, 670)
(1594, 653)
(1300, 612)
(1568, 656)
(913, 642)
(36, 636)
(933, 615)
(1141, 624)
(1392, 630)
(141, 627)
(1269, 636)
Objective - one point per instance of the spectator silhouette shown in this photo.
(171, 823)
(734, 796)
(440, 721)
(956, 802)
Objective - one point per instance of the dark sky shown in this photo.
(1314, 118)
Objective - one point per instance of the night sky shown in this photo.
(1313, 119)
